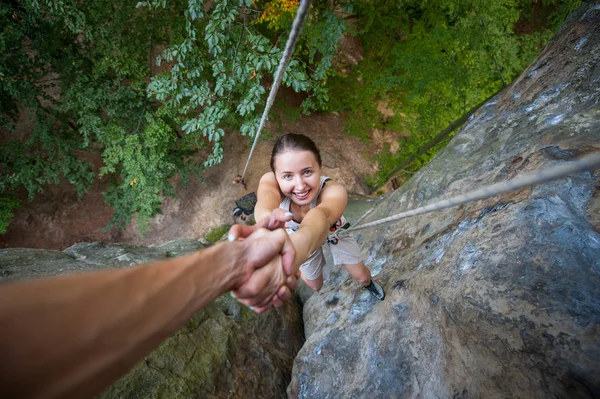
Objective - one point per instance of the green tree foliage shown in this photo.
(81, 74)
(78, 73)
(7, 205)
(435, 60)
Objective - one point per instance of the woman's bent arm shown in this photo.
(269, 197)
(314, 228)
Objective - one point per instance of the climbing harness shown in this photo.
(589, 162)
(287, 54)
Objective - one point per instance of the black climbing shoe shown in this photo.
(376, 290)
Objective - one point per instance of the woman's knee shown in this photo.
(316, 284)
(359, 272)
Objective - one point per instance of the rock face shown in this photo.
(226, 350)
(498, 298)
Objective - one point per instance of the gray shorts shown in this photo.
(345, 252)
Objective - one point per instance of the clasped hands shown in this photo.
(269, 273)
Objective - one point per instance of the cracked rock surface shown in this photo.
(497, 298)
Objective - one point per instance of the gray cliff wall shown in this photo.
(498, 298)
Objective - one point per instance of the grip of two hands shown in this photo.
(284, 249)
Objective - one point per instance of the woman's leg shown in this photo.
(360, 273)
(312, 270)
(315, 284)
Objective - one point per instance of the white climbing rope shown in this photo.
(287, 54)
(589, 162)
(367, 213)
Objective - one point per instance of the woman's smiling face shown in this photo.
(298, 175)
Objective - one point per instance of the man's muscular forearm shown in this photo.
(71, 336)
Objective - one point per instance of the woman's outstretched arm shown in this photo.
(314, 228)
(266, 211)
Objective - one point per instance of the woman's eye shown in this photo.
(287, 177)
(307, 172)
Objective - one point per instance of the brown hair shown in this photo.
(297, 142)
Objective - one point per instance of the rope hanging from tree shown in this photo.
(285, 59)
(589, 162)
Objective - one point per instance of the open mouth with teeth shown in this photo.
(303, 195)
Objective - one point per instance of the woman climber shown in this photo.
(294, 195)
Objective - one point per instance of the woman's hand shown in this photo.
(276, 220)
(273, 283)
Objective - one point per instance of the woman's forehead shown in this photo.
(296, 159)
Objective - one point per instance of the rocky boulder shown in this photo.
(497, 298)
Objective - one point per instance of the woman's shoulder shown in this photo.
(268, 178)
(268, 185)
(335, 198)
(332, 187)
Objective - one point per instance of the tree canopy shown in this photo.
(82, 73)
(148, 85)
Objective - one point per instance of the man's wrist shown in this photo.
(221, 265)
(235, 258)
